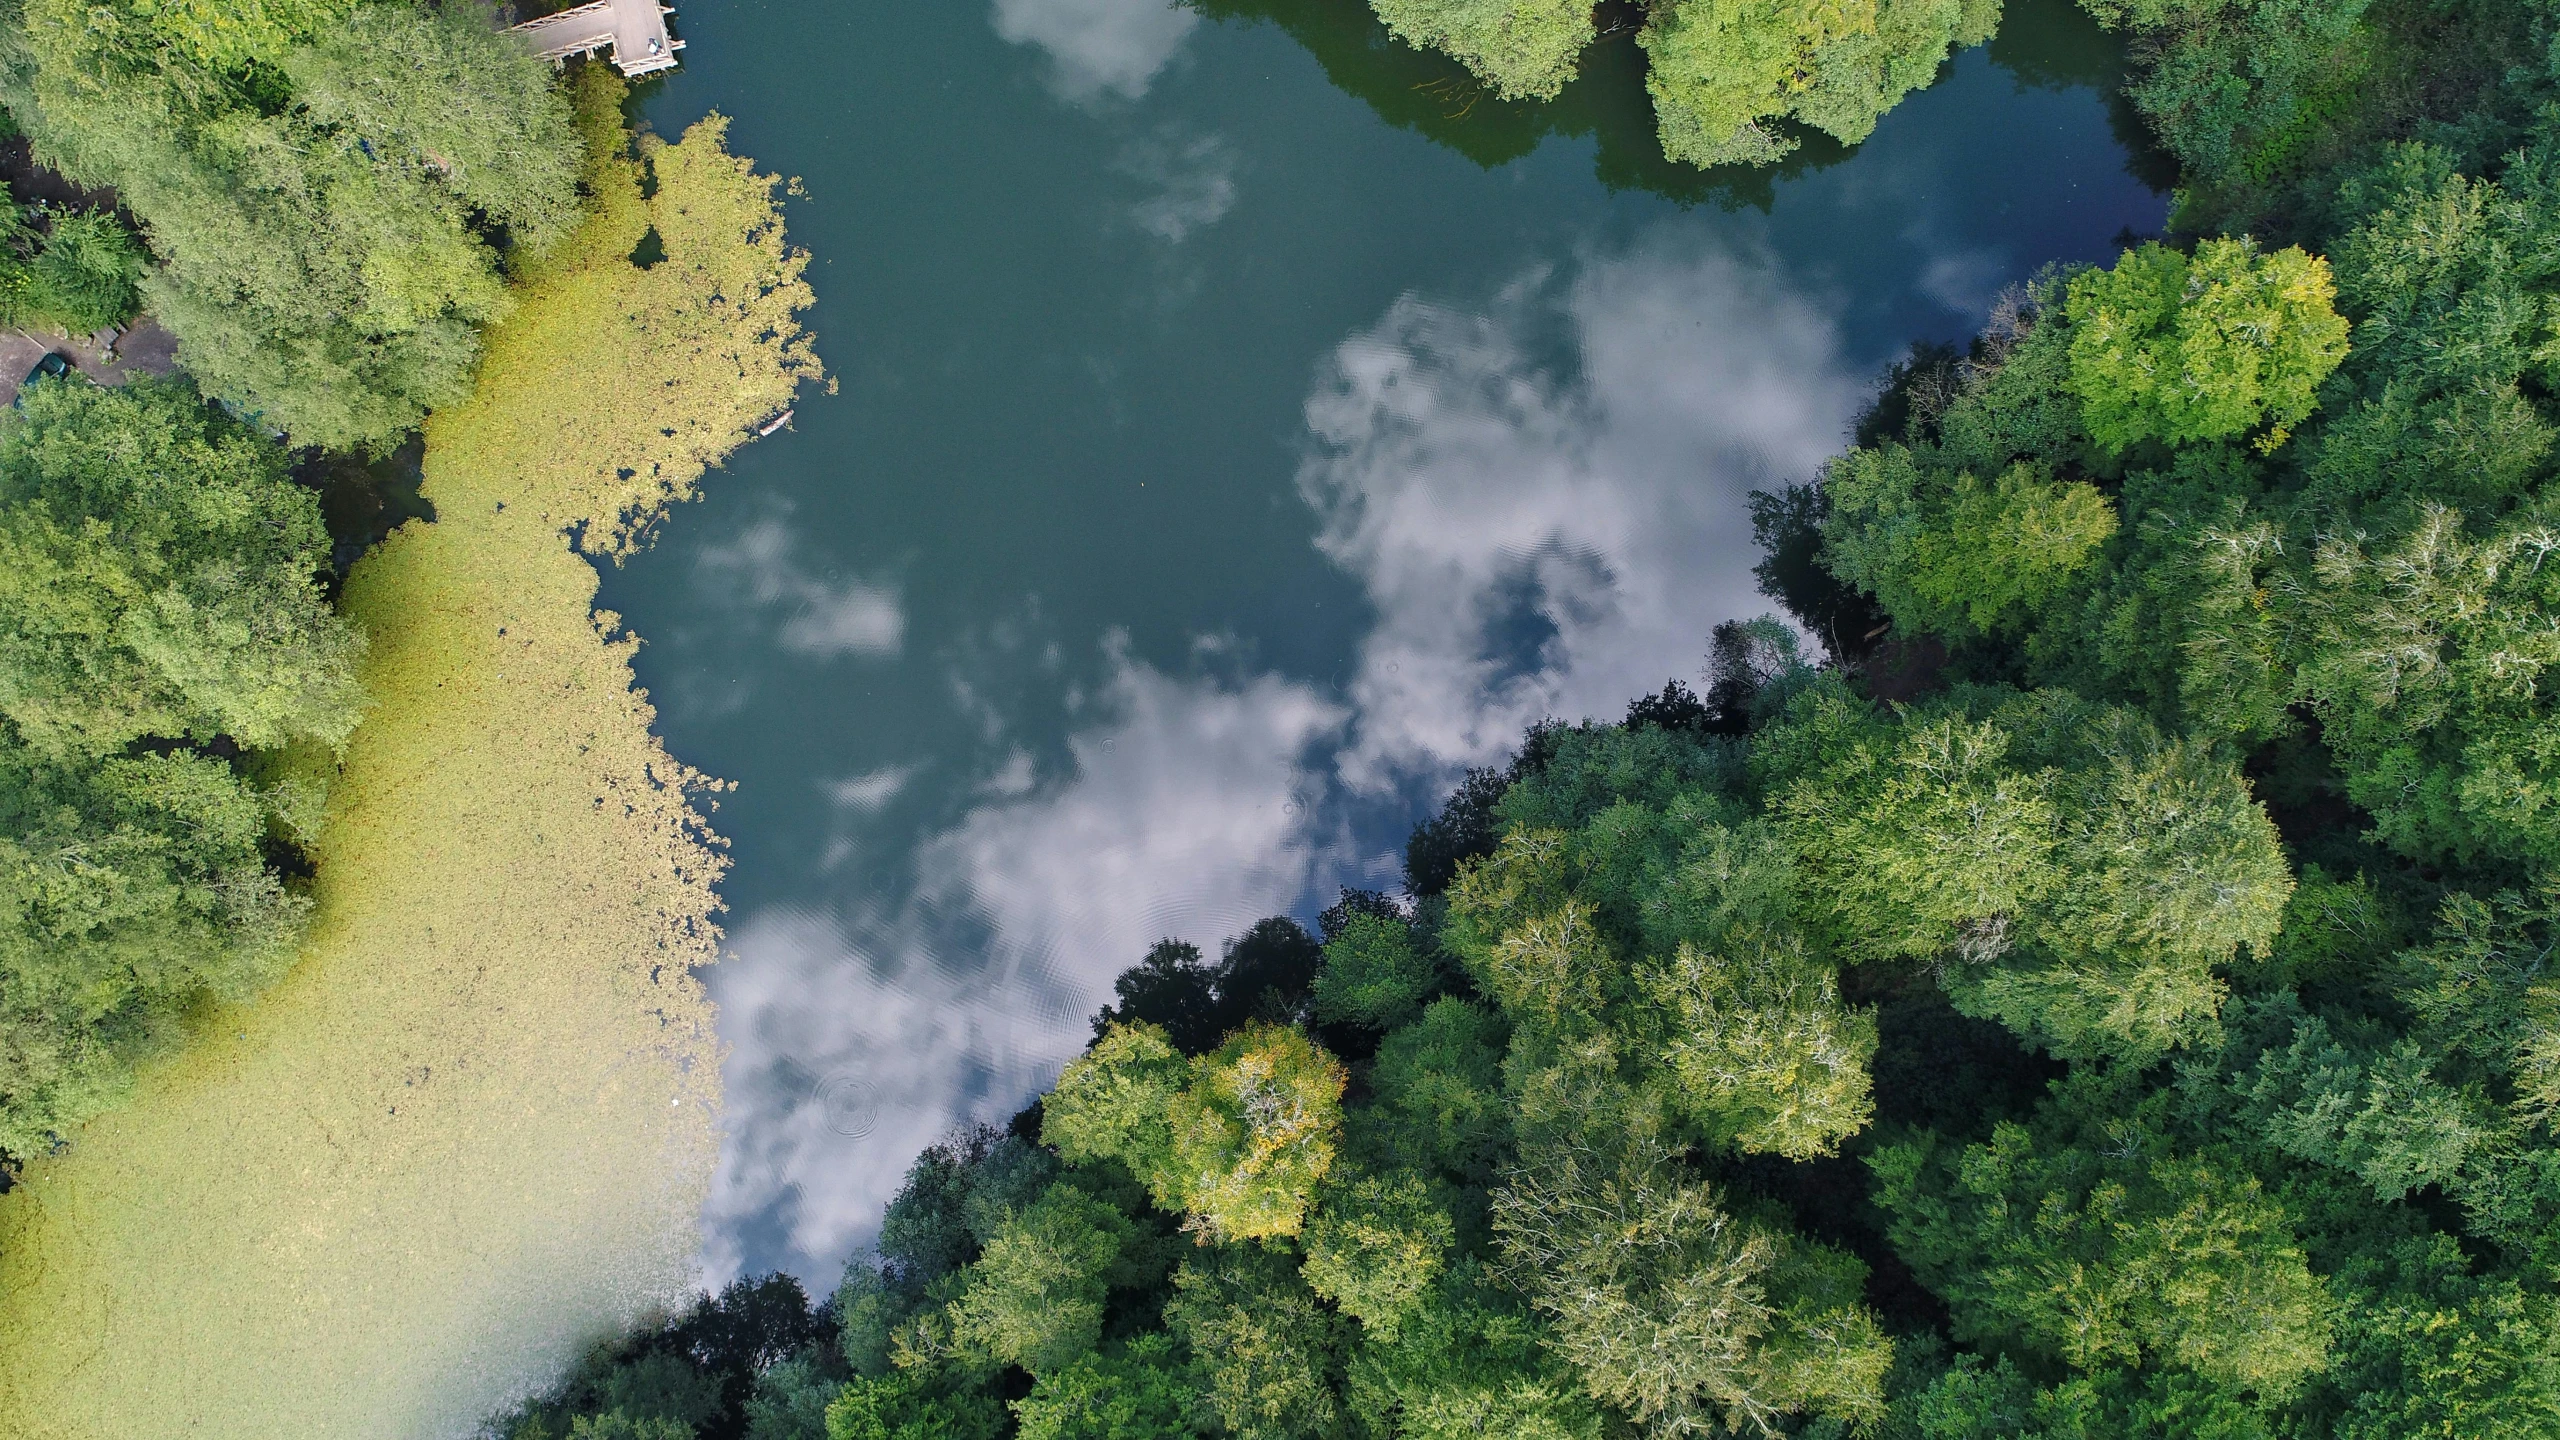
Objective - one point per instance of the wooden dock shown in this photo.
(634, 30)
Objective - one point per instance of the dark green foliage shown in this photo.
(750, 1363)
(159, 576)
(1470, 1361)
(1438, 1083)
(1142, 1393)
(129, 890)
(1267, 1349)
(791, 1399)
(2086, 1239)
(160, 614)
(2328, 1213)
(1466, 826)
(2236, 86)
(1376, 973)
(910, 1406)
(1787, 524)
(1263, 974)
(82, 276)
(320, 185)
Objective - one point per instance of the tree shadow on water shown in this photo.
(2043, 44)
(2056, 45)
(1434, 96)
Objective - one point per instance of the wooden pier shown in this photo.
(634, 30)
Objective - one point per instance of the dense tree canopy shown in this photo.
(2180, 348)
(1719, 70)
(79, 274)
(160, 610)
(160, 576)
(1523, 49)
(2108, 996)
(320, 182)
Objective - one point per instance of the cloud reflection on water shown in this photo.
(821, 615)
(1099, 47)
(1182, 814)
(1191, 183)
(1463, 479)
(1543, 500)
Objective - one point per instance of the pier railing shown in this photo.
(635, 31)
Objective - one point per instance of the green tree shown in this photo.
(2379, 1113)
(2172, 868)
(129, 890)
(1035, 1297)
(1267, 1350)
(1467, 1362)
(2424, 1346)
(2084, 874)
(791, 1398)
(1992, 552)
(1678, 1312)
(1375, 1247)
(309, 179)
(160, 576)
(2423, 655)
(1720, 70)
(1253, 1133)
(1524, 49)
(1437, 1088)
(1374, 974)
(1766, 1056)
(2109, 1257)
(1115, 1101)
(2176, 348)
(85, 277)
(2241, 89)
(908, 1405)
(1918, 840)
(1141, 1393)
(1237, 1138)
(658, 1390)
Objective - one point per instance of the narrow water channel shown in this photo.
(1242, 430)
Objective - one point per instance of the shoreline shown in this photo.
(474, 1126)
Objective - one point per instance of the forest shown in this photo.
(323, 216)
(2097, 987)
(262, 758)
(2083, 973)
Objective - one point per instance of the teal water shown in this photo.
(1242, 430)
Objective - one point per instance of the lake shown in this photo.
(1243, 429)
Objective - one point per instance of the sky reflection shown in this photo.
(1545, 541)
(1099, 47)
(1540, 493)
(1221, 465)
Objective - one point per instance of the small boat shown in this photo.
(776, 423)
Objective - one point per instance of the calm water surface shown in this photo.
(1242, 430)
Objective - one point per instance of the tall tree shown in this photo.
(160, 577)
(319, 182)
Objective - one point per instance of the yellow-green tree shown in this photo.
(1236, 1139)
(1524, 49)
(1721, 70)
(1254, 1131)
(2178, 349)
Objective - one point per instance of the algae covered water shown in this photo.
(1243, 428)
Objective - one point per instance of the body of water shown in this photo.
(1243, 429)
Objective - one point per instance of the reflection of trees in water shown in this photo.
(1434, 95)
(2054, 45)
(2043, 44)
